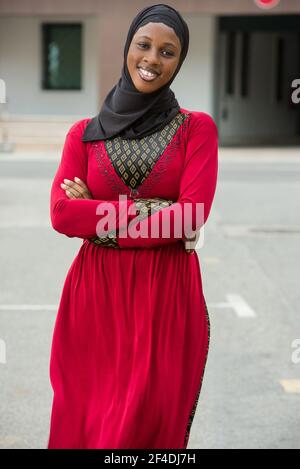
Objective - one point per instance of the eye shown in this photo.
(142, 44)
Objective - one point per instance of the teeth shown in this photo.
(148, 74)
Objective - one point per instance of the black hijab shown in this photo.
(129, 112)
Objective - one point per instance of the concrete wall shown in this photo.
(193, 85)
(21, 68)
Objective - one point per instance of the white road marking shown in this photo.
(29, 156)
(238, 304)
(292, 386)
(28, 307)
(25, 224)
(235, 302)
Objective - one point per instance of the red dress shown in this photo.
(131, 336)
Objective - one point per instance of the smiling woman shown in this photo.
(131, 336)
(153, 56)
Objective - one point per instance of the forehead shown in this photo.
(159, 32)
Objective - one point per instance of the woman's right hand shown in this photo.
(76, 190)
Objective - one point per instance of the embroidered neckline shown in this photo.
(117, 184)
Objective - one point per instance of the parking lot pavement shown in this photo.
(250, 260)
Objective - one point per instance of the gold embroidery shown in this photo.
(110, 240)
(146, 207)
(134, 159)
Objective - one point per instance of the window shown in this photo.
(246, 36)
(230, 62)
(280, 54)
(62, 51)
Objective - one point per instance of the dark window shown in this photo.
(279, 69)
(230, 62)
(62, 51)
(245, 64)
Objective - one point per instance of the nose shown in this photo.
(152, 57)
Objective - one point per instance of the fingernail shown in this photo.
(77, 179)
(66, 180)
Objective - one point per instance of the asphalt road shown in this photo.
(250, 260)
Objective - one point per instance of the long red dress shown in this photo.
(131, 335)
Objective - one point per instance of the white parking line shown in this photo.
(24, 224)
(238, 304)
(30, 157)
(234, 301)
(291, 386)
(27, 307)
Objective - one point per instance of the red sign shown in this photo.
(266, 4)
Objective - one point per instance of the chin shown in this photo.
(144, 89)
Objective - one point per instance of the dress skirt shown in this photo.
(129, 349)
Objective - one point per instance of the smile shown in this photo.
(146, 76)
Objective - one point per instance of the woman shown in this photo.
(131, 337)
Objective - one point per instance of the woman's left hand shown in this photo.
(190, 243)
(76, 189)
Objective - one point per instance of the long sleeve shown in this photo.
(197, 189)
(78, 217)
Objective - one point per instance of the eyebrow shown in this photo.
(165, 43)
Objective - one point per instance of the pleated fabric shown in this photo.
(128, 356)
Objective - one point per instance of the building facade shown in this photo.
(59, 60)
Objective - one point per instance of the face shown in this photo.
(153, 56)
